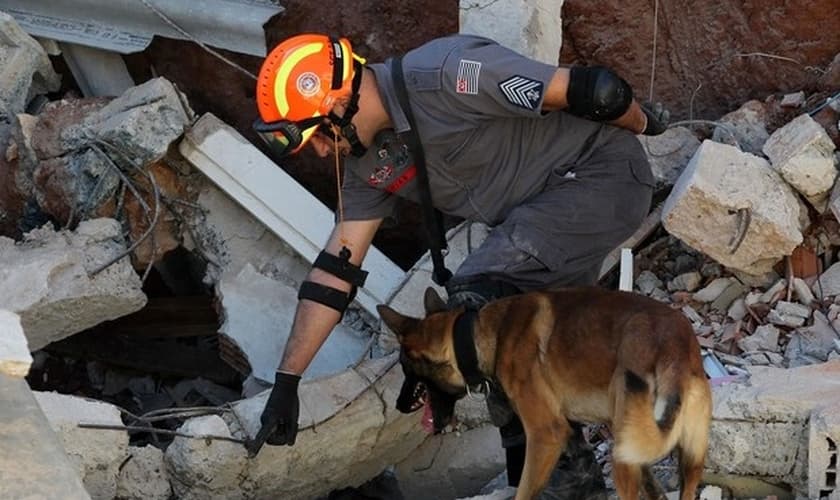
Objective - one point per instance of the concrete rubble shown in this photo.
(47, 280)
(746, 250)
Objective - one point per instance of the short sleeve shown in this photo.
(363, 201)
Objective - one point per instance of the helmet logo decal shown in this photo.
(308, 84)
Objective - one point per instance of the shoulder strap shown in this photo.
(432, 217)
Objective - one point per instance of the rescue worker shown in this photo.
(545, 156)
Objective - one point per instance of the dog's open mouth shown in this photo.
(419, 397)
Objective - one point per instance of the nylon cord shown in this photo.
(653, 57)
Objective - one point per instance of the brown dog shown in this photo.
(580, 354)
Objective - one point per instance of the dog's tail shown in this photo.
(648, 413)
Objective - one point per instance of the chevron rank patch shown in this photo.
(467, 82)
(523, 92)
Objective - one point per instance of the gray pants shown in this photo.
(561, 236)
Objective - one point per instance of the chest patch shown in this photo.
(523, 92)
(394, 165)
(467, 81)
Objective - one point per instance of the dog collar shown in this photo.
(465, 353)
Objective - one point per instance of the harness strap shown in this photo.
(465, 353)
(432, 217)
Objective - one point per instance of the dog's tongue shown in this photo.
(428, 421)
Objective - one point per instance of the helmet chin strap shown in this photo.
(348, 130)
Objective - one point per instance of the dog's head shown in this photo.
(427, 359)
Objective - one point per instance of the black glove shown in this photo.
(280, 416)
(657, 118)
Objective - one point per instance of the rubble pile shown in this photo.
(95, 198)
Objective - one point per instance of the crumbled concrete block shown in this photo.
(452, 465)
(142, 123)
(669, 153)
(143, 476)
(15, 359)
(803, 154)
(724, 192)
(828, 284)
(745, 128)
(824, 452)
(762, 427)
(686, 281)
(97, 453)
(765, 338)
(25, 68)
(46, 279)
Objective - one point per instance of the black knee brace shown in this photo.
(597, 93)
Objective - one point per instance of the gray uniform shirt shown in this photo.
(488, 145)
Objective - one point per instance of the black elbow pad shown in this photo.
(597, 93)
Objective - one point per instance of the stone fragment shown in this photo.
(713, 290)
(773, 293)
(669, 153)
(803, 293)
(793, 309)
(687, 281)
(725, 194)
(647, 282)
(765, 338)
(728, 296)
(803, 154)
(793, 100)
(738, 309)
(828, 284)
(745, 128)
(814, 342)
(782, 319)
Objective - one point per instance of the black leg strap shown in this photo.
(326, 295)
(341, 267)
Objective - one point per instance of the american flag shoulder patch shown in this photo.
(467, 82)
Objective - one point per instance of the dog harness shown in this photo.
(465, 354)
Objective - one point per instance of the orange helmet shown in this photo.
(298, 85)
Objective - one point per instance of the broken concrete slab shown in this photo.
(296, 216)
(452, 465)
(725, 195)
(15, 359)
(761, 427)
(97, 454)
(33, 463)
(143, 475)
(258, 313)
(356, 436)
(532, 28)
(745, 128)
(669, 153)
(46, 280)
(142, 123)
(803, 154)
(25, 69)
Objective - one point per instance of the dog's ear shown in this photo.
(399, 324)
(433, 302)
